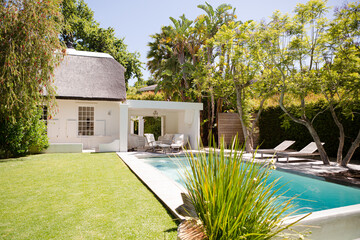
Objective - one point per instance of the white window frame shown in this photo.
(86, 121)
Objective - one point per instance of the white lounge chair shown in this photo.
(179, 141)
(309, 150)
(150, 141)
(279, 148)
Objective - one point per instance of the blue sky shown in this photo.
(136, 20)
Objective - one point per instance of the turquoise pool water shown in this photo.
(313, 194)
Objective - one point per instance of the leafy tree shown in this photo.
(317, 57)
(340, 81)
(206, 80)
(29, 52)
(180, 63)
(295, 46)
(240, 70)
(81, 31)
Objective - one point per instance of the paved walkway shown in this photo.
(317, 168)
(310, 167)
(168, 191)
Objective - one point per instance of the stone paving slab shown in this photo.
(168, 191)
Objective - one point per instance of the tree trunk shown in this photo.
(304, 121)
(351, 151)
(181, 59)
(341, 135)
(323, 155)
(247, 137)
(254, 123)
(182, 95)
(212, 114)
(208, 122)
(211, 106)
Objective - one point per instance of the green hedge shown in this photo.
(273, 131)
(25, 136)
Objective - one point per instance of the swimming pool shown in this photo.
(313, 194)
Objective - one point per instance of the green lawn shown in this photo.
(78, 196)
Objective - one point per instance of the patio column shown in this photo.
(123, 126)
(196, 129)
(141, 126)
(162, 126)
(131, 126)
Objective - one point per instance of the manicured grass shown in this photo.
(78, 196)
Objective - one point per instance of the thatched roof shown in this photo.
(90, 75)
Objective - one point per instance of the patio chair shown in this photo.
(151, 144)
(179, 141)
(136, 142)
(279, 148)
(166, 139)
(307, 151)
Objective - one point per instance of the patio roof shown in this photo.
(145, 104)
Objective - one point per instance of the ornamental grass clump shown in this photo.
(233, 198)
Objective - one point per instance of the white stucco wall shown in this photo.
(190, 126)
(63, 128)
(112, 121)
(171, 122)
(179, 117)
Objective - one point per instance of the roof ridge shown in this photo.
(70, 51)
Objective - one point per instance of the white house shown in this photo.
(93, 110)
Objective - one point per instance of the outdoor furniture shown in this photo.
(279, 148)
(166, 139)
(151, 144)
(307, 151)
(136, 142)
(164, 147)
(179, 141)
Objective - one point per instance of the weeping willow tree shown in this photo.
(29, 52)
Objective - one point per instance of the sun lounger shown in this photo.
(279, 148)
(179, 141)
(151, 144)
(308, 151)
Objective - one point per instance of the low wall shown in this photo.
(110, 147)
(333, 224)
(64, 148)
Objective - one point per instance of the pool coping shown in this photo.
(332, 223)
(168, 191)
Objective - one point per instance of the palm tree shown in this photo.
(163, 64)
(209, 24)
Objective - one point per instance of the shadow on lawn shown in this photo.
(169, 231)
(18, 159)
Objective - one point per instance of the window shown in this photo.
(86, 121)
(44, 115)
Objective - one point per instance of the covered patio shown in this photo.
(176, 117)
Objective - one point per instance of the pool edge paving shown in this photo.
(168, 191)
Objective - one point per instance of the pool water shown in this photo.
(312, 194)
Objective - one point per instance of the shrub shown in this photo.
(233, 198)
(159, 96)
(23, 136)
(275, 127)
